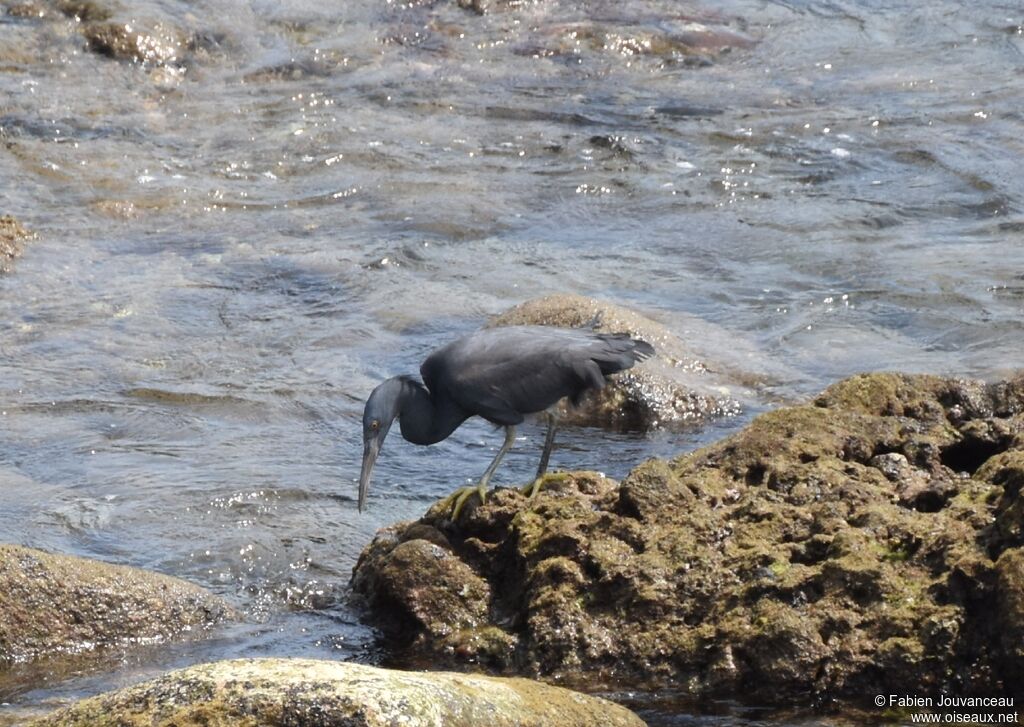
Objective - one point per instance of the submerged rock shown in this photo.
(484, 7)
(664, 33)
(674, 387)
(62, 604)
(665, 39)
(86, 11)
(12, 241)
(150, 43)
(154, 38)
(285, 692)
(796, 559)
(27, 9)
(78, 10)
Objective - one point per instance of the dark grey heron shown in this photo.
(502, 375)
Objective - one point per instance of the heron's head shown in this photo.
(382, 408)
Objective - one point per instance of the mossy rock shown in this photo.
(287, 692)
(861, 542)
(53, 604)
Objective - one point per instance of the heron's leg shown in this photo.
(549, 443)
(533, 488)
(510, 439)
(459, 497)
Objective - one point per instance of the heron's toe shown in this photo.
(531, 490)
(457, 499)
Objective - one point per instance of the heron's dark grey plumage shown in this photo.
(500, 374)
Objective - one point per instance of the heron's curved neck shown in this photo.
(424, 418)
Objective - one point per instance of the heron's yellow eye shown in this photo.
(375, 425)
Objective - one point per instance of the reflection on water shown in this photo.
(289, 202)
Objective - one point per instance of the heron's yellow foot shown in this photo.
(534, 487)
(458, 498)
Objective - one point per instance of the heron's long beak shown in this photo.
(370, 451)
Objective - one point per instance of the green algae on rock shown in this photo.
(54, 604)
(12, 237)
(864, 541)
(674, 387)
(285, 692)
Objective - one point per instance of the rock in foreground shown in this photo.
(61, 604)
(286, 692)
(871, 539)
(674, 387)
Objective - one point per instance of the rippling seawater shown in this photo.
(287, 202)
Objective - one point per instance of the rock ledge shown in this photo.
(287, 692)
(867, 540)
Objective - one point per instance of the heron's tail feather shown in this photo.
(620, 352)
(642, 350)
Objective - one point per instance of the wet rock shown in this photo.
(480, 7)
(664, 38)
(28, 9)
(285, 692)
(55, 604)
(154, 44)
(86, 11)
(483, 7)
(687, 111)
(160, 40)
(662, 35)
(12, 241)
(79, 10)
(293, 70)
(422, 581)
(121, 209)
(785, 562)
(672, 388)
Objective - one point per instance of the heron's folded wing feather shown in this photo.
(505, 391)
(504, 373)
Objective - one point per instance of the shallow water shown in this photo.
(235, 246)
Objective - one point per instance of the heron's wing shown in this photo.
(502, 374)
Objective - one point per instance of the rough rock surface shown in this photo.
(12, 238)
(62, 604)
(868, 540)
(286, 692)
(673, 387)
